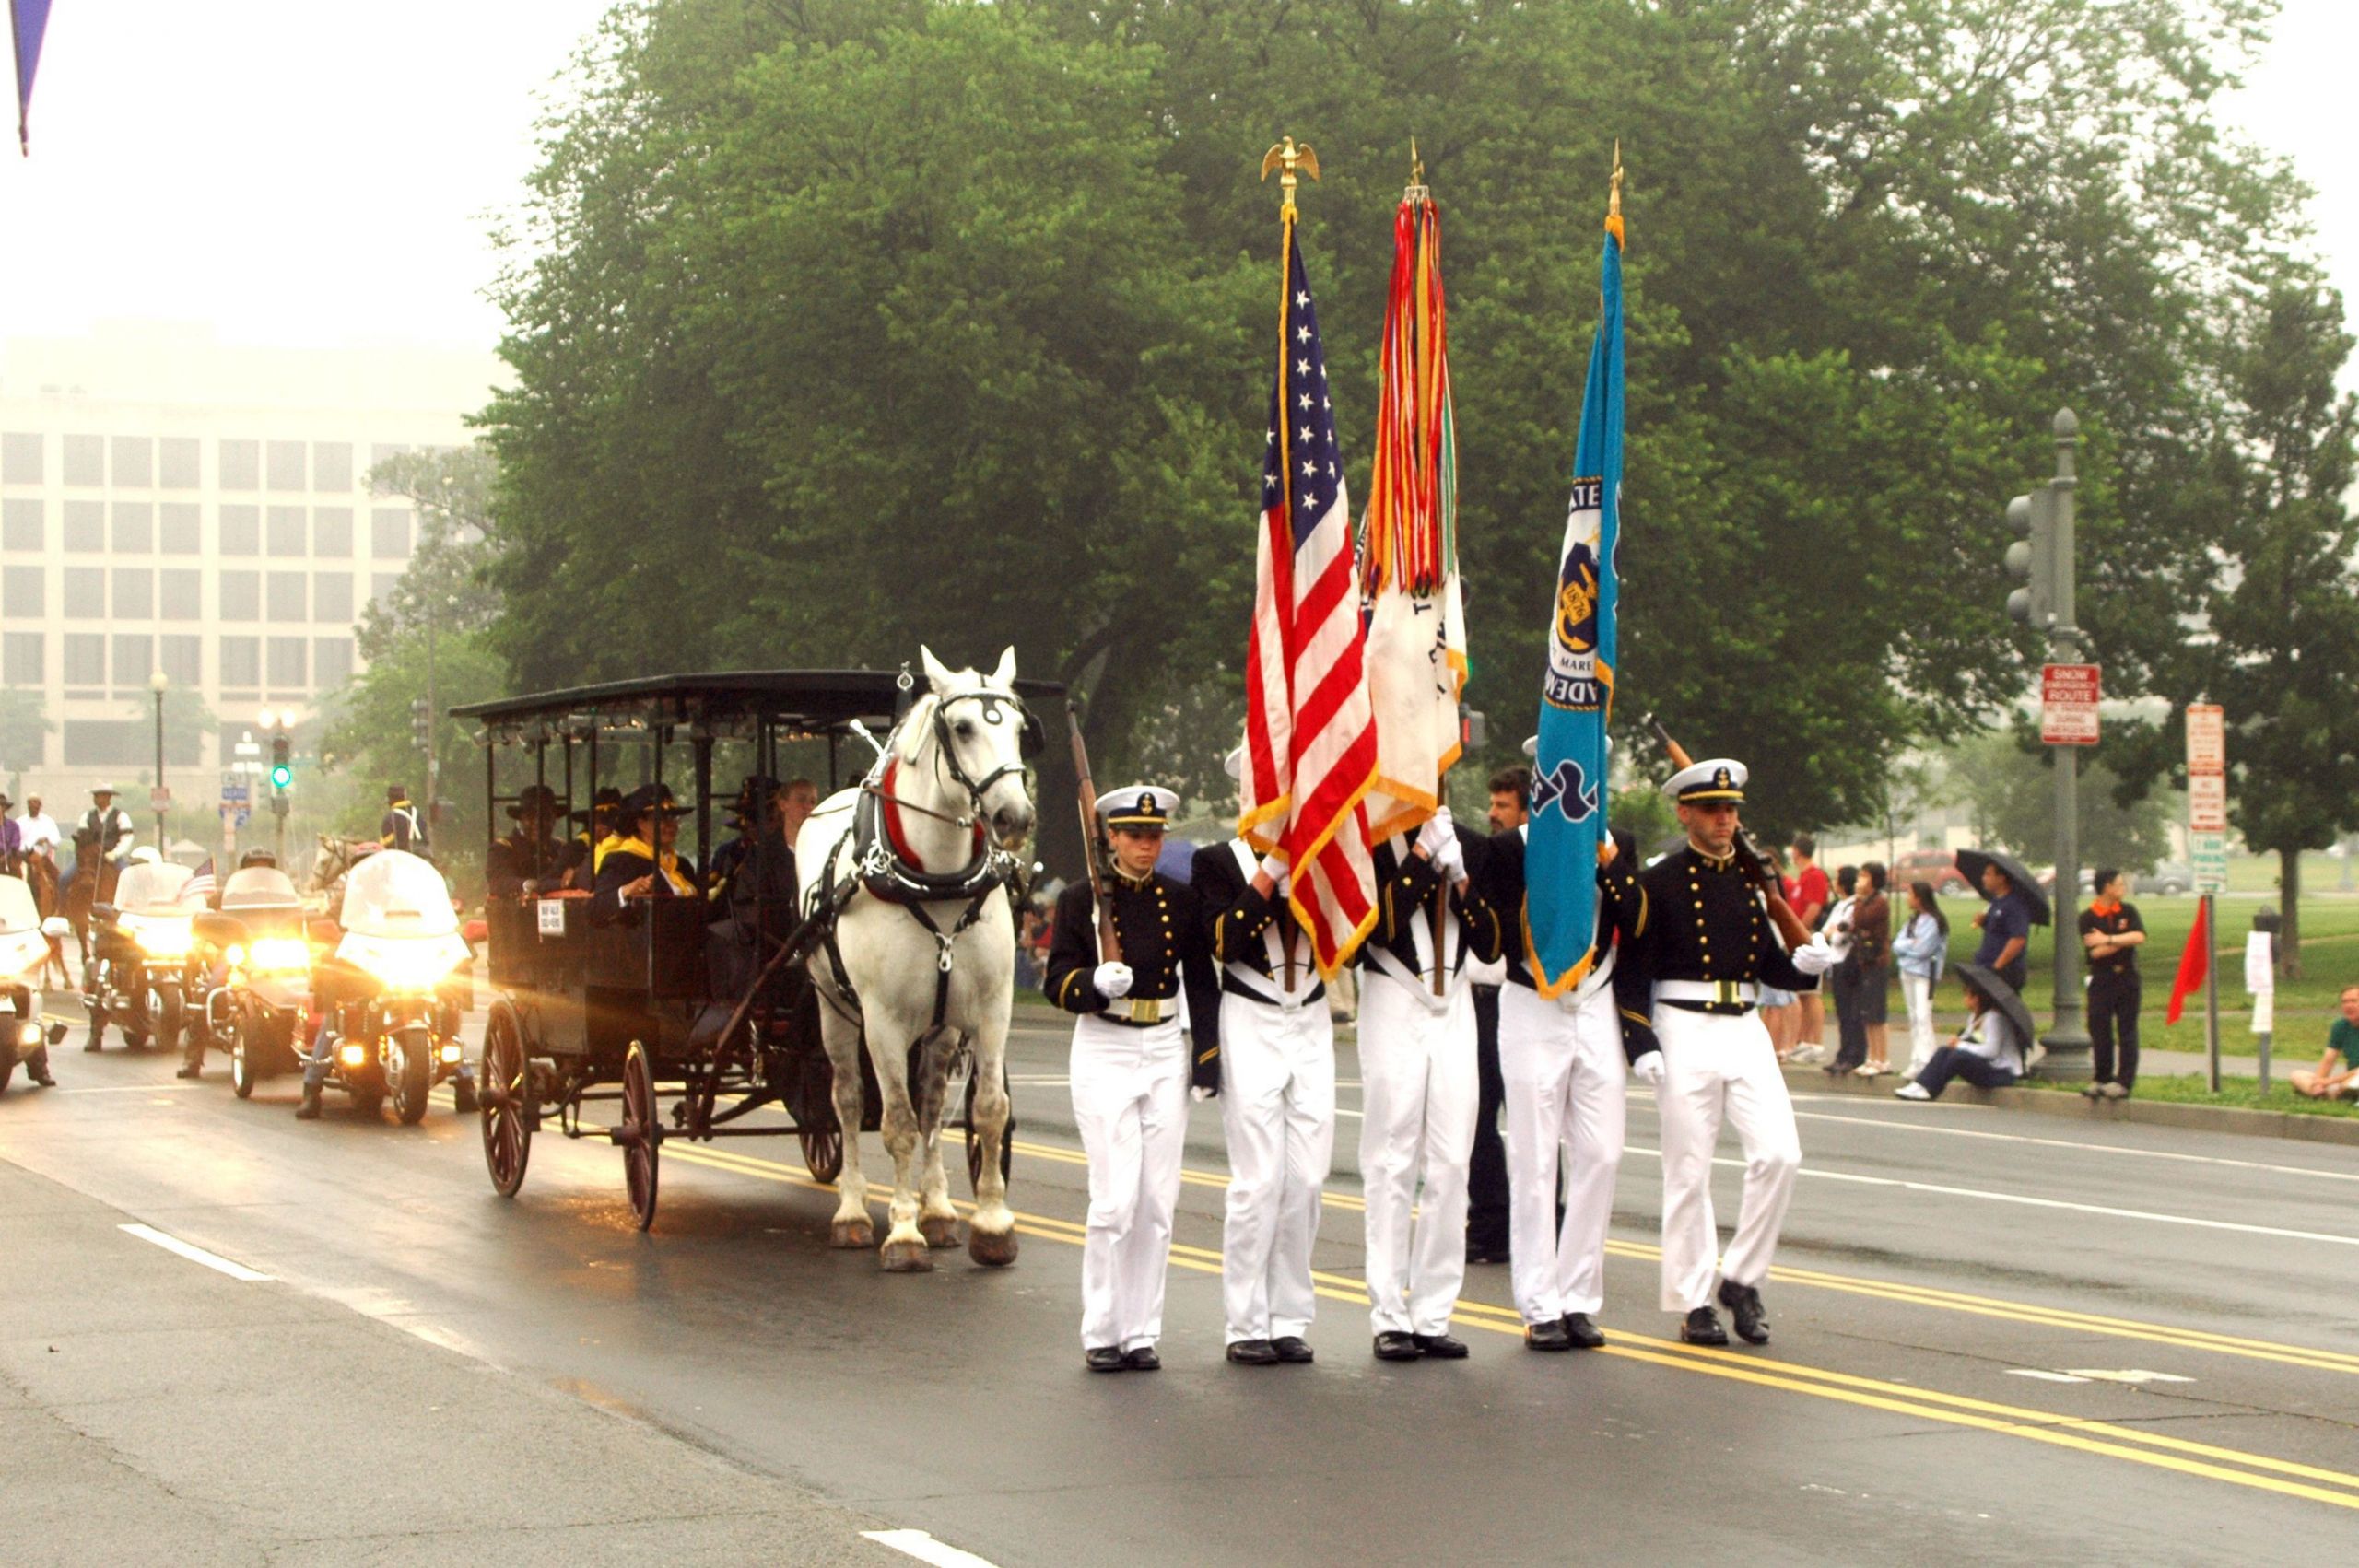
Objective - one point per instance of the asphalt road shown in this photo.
(1995, 1335)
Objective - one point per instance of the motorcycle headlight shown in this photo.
(163, 939)
(280, 955)
(28, 1033)
(408, 965)
(352, 1056)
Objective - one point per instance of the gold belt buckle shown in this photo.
(1146, 1010)
(1724, 993)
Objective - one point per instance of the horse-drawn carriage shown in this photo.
(718, 1002)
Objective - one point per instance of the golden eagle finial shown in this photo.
(1289, 158)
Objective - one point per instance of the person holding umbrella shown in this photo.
(1986, 1053)
(2016, 905)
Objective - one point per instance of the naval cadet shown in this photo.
(1566, 1061)
(1278, 1096)
(1420, 1084)
(1710, 948)
(1128, 1072)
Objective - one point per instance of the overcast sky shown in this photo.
(301, 172)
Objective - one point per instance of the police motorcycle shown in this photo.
(257, 989)
(392, 992)
(25, 1031)
(142, 944)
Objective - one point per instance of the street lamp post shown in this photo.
(160, 682)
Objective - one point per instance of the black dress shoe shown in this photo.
(1548, 1336)
(1293, 1349)
(1105, 1358)
(1743, 1303)
(1252, 1352)
(1393, 1345)
(92, 1043)
(1583, 1334)
(189, 1072)
(1487, 1254)
(43, 1081)
(1142, 1359)
(1441, 1347)
(1702, 1327)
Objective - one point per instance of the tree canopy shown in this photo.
(845, 323)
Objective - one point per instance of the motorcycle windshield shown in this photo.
(395, 894)
(153, 889)
(22, 947)
(259, 887)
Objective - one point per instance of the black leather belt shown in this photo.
(1717, 1008)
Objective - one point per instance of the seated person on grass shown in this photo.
(2337, 1074)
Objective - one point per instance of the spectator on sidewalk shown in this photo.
(2336, 1076)
(1809, 899)
(2006, 929)
(1486, 1175)
(1986, 1053)
(1778, 1012)
(1851, 1037)
(1871, 952)
(2112, 934)
(1921, 950)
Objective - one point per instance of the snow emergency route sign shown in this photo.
(2067, 705)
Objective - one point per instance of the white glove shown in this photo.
(1450, 859)
(1647, 1068)
(1112, 980)
(1816, 957)
(1437, 831)
(1273, 866)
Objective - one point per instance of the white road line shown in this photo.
(133, 1089)
(925, 1548)
(2073, 1143)
(2106, 1210)
(212, 1260)
(2044, 1376)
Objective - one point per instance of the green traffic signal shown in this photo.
(281, 775)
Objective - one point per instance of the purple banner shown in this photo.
(27, 20)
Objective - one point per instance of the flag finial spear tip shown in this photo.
(1288, 157)
(1613, 196)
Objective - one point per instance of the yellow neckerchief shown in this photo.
(606, 845)
(670, 862)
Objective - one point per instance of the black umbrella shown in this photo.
(2002, 996)
(1970, 864)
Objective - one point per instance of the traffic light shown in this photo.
(2031, 559)
(282, 770)
(421, 722)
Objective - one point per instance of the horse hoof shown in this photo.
(851, 1233)
(990, 1251)
(908, 1258)
(939, 1230)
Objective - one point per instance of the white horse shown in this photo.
(938, 972)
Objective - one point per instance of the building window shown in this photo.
(289, 662)
(85, 658)
(109, 742)
(86, 461)
(389, 534)
(179, 530)
(287, 465)
(183, 659)
(21, 661)
(21, 524)
(134, 593)
(382, 586)
(242, 662)
(180, 594)
(331, 600)
(20, 458)
(134, 659)
(331, 465)
(134, 462)
(332, 533)
(240, 595)
(135, 528)
(240, 465)
(241, 530)
(332, 660)
(23, 593)
(86, 593)
(176, 466)
(286, 596)
(85, 527)
(287, 530)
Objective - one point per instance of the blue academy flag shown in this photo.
(28, 19)
(1568, 781)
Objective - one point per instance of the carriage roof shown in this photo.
(817, 701)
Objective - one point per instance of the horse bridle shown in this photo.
(946, 754)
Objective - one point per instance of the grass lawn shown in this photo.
(2188, 1089)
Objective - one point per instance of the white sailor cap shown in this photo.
(1234, 763)
(1532, 747)
(1714, 778)
(1138, 806)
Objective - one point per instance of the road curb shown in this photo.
(2152, 1113)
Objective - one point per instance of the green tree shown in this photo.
(2010, 789)
(446, 581)
(25, 725)
(369, 742)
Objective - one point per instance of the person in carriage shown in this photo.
(529, 858)
(646, 862)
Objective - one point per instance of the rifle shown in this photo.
(1750, 861)
(1093, 840)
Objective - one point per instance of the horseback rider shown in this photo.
(12, 840)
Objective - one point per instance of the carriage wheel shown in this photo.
(507, 1118)
(975, 1146)
(641, 1134)
(821, 1132)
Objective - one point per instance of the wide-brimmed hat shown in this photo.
(608, 799)
(2003, 996)
(1971, 864)
(104, 789)
(754, 791)
(647, 798)
(536, 795)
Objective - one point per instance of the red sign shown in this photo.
(2206, 802)
(2207, 738)
(2067, 705)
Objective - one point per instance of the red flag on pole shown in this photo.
(2193, 964)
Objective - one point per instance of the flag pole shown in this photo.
(1438, 920)
(1289, 159)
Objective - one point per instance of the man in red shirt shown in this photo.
(1812, 894)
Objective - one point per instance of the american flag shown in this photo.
(201, 885)
(1309, 733)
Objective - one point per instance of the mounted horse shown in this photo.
(910, 870)
(337, 857)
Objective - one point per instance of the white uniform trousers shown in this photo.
(1565, 1077)
(1717, 1065)
(1418, 1093)
(1277, 1106)
(1130, 1101)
